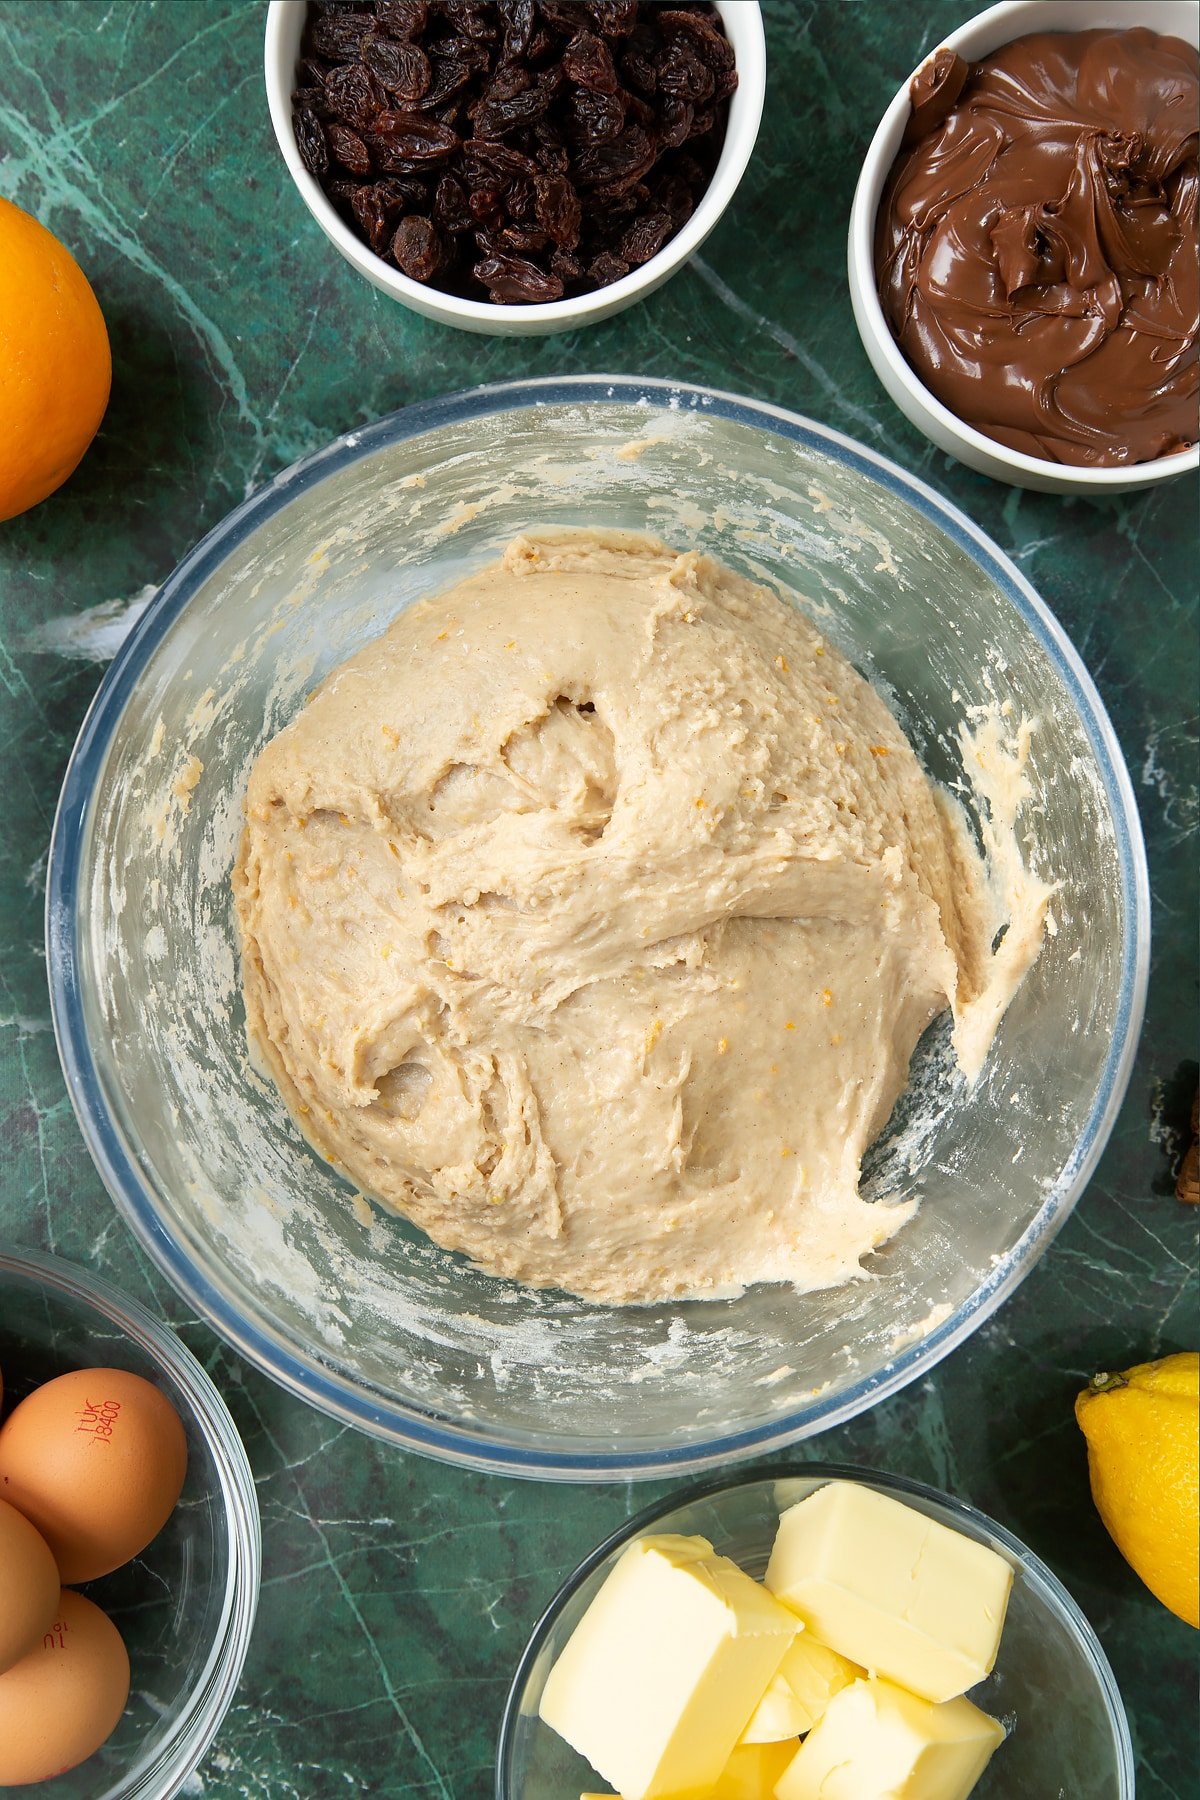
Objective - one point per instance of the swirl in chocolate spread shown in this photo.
(1035, 247)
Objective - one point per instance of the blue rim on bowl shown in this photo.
(209, 1697)
(664, 1515)
(310, 1377)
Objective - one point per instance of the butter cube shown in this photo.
(890, 1589)
(658, 1679)
(877, 1742)
(750, 1773)
(778, 1715)
(753, 1770)
(815, 1673)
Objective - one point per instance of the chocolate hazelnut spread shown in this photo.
(1035, 246)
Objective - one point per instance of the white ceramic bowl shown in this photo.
(986, 32)
(742, 20)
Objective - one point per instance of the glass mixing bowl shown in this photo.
(1051, 1686)
(359, 1313)
(186, 1605)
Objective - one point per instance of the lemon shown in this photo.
(1143, 1436)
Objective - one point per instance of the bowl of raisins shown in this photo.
(516, 166)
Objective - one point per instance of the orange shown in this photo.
(55, 363)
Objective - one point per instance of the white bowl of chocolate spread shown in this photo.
(1022, 254)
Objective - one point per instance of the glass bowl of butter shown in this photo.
(829, 1632)
(352, 1307)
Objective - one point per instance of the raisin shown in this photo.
(493, 118)
(682, 74)
(486, 206)
(417, 248)
(470, 17)
(454, 66)
(541, 44)
(353, 95)
(700, 33)
(342, 193)
(515, 280)
(488, 157)
(402, 18)
(310, 141)
(675, 121)
(616, 18)
(674, 196)
(607, 268)
(594, 118)
(517, 17)
(338, 36)
(509, 80)
(558, 209)
(726, 84)
(639, 70)
(645, 237)
(520, 240)
(349, 149)
(406, 141)
(450, 210)
(378, 208)
(613, 165)
(588, 62)
(568, 268)
(403, 69)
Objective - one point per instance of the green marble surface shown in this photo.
(397, 1594)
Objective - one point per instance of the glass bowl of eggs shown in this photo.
(179, 1607)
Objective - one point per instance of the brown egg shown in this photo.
(29, 1586)
(59, 1703)
(96, 1460)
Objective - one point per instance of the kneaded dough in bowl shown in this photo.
(590, 918)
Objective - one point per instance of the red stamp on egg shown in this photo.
(97, 1419)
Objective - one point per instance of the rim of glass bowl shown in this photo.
(208, 1701)
(341, 1396)
(1033, 1568)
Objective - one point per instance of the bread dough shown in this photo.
(590, 917)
